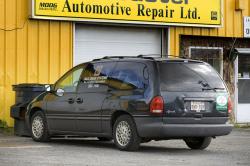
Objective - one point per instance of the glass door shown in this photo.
(243, 108)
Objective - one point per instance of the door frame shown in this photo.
(236, 70)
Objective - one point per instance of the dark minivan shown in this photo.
(135, 100)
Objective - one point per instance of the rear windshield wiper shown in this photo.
(203, 89)
(206, 86)
(214, 89)
(219, 88)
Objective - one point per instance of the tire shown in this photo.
(125, 134)
(39, 128)
(198, 143)
(104, 139)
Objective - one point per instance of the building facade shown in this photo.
(41, 40)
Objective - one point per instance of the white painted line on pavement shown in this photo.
(25, 147)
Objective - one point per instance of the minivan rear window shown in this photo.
(189, 77)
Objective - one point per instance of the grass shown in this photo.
(5, 129)
(242, 126)
(3, 124)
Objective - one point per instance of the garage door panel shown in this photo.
(108, 32)
(95, 42)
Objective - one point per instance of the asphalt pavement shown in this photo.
(233, 149)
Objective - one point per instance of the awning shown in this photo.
(238, 51)
(243, 50)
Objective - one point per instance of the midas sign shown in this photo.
(159, 12)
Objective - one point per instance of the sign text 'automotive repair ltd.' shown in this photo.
(159, 12)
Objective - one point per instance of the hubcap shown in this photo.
(123, 133)
(37, 126)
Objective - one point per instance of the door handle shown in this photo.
(71, 100)
(79, 100)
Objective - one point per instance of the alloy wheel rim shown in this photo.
(37, 127)
(123, 133)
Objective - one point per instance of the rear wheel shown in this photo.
(39, 129)
(198, 143)
(125, 134)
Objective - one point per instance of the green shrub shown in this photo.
(3, 124)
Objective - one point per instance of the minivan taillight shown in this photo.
(156, 105)
(229, 105)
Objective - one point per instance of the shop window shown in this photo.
(211, 55)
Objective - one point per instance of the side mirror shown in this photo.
(48, 88)
(59, 92)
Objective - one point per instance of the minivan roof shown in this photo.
(148, 58)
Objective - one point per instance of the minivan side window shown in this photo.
(96, 76)
(70, 81)
(129, 76)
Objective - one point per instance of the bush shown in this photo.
(3, 124)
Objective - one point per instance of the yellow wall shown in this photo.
(30, 51)
(232, 25)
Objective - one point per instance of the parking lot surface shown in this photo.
(233, 149)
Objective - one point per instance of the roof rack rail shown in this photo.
(111, 57)
(183, 57)
(115, 57)
(160, 56)
(147, 56)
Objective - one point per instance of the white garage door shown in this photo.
(98, 41)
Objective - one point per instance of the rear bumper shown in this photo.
(155, 128)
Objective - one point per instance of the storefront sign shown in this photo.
(247, 27)
(159, 12)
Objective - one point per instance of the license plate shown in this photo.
(197, 106)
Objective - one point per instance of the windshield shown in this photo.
(189, 77)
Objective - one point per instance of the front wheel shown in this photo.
(125, 134)
(198, 143)
(39, 129)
